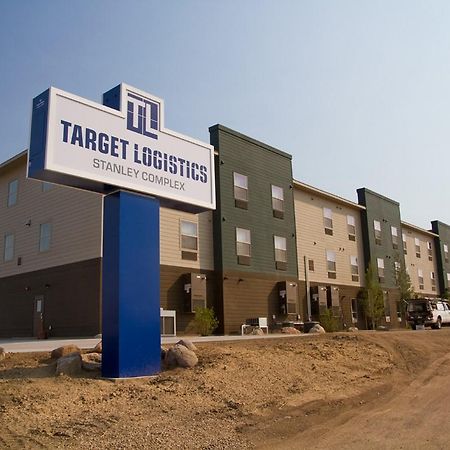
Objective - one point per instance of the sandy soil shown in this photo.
(362, 390)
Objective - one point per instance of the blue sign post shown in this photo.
(130, 280)
(123, 144)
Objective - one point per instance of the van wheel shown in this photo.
(413, 326)
(438, 324)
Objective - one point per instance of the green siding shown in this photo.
(387, 212)
(264, 166)
(443, 230)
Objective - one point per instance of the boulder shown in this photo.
(98, 348)
(179, 355)
(290, 330)
(91, 361)
(2, 353)
(65, 350)
(188, 344)
(352, 329)
(69, 364)
(317, 329)
(257, 332)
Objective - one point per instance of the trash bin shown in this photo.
(308, 325)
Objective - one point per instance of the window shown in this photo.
(380, 265)
(13, 187)
(188, 240)
(430, 251)
(311, 265)
(377, 231)
(446, 252)
(448, 276)
(8, 251)
(46, 186)
(280, 252)
(394, 233)
(405, 251)
(277, 202)
(328, 221)
(331, 264)
(417, 245)
(45, 234)
(351, 228)
(420, 277)
(354, 268)
(240, 190)
(433, 281)
(397, 268)
(354, 310)
(243, 246)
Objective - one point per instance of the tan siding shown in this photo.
(171, 244)
(75, 215)
(313, 242)
(413, 263)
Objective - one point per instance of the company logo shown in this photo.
(142, 115)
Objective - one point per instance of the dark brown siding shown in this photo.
(248, 295)
(175, 298)
(71, 300)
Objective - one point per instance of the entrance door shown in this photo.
(38, 316)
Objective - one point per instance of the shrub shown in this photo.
(329, 322)
(205, 321)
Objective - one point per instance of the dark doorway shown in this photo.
(38, 316)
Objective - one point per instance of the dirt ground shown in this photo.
(344, 390)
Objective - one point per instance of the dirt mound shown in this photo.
(254, 392)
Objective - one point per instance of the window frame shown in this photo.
(354, 268)
(7, 257)
(188, 252)
(377, 232)
(240, 244)
(394, 235)
(380, 269)
(417, 247)
(420, 279)
(45, 238)
(280, 264)
(13, 194)
(327, 221)
(277, 203)
(351, 227)
(331, 264)
(240, 201)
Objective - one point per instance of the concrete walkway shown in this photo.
(20, 345)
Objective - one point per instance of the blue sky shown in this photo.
(357, 91)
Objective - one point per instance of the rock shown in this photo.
(181, 356)
(163, 354)
(98, 348)
(290, 330)
(317, 329)
(382, 328)
(352, 329)
(69, 364)
(188, 344)
(91, 361)
(257, 332)
(65, 350)
(2, 353)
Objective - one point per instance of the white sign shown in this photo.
(125, 145)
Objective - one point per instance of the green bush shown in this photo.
(205, 321)
(329, 322)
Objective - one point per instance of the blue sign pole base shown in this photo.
(130, 286)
